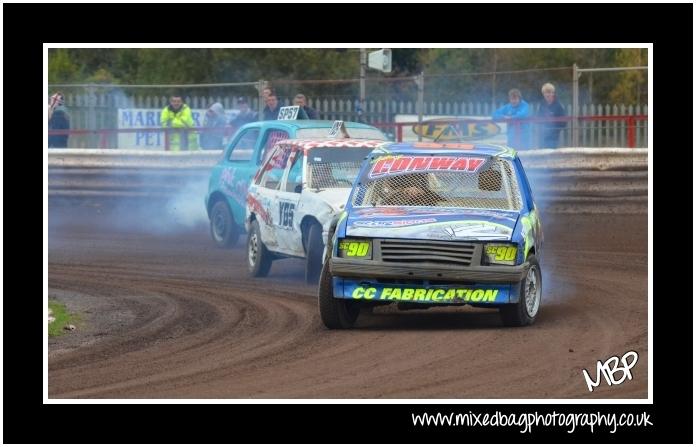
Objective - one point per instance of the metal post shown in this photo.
(91, 115)
(420, 80)
(363, 68)
(259, 86)
(631, 132)
(102, 139)
(576, 105)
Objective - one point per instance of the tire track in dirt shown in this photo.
(197, 327)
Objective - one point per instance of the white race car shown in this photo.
(297, 191)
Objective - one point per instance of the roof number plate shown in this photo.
(288, 113)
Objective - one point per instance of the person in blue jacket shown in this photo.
(518, 134)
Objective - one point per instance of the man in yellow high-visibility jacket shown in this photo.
(177, 115)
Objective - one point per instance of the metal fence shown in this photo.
(390, 99)
(615, 130)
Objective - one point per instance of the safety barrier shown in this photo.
(593, 131)
(579, 178)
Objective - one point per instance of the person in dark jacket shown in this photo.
(550, 108)
(245, 115)
(301, 100)
(58, 119)
(273, 109)
(270, 112)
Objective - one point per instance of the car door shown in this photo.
(271, 134)
(288, 222)
(264, 197)
(238, 169)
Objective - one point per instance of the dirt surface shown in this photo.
(171, 316)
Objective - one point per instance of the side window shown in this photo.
(244, 148)
(275, 167)
(294, 183)
(272, 137)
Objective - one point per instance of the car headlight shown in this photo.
(355, 248)
(500, 254)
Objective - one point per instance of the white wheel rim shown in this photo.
(219, 225)
(532, 291)
(253, 249)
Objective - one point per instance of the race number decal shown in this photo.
(288, 113)
(355, 249)
(287, 212)
(501, 253)
(335, 129)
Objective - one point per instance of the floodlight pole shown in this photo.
(576, 105)
(420, 81)
(363, 68)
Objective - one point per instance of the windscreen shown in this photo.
(334, 167)
(439, 181)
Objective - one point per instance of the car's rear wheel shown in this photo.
(336, 313)
(315, 251)
(258, 257)
(525, 311)
(223, 229)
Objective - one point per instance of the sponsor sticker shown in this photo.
(391, 223)
(434, 295)
(391, 165)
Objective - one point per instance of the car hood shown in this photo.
(335, 197)
(431, 223)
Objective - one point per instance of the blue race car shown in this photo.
(434, 224)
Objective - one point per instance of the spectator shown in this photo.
(58, 119)
(518, 134)
(266, 92)
(270, 112)
(177, 115)
(246, 115)
(550, 108)
(301, 100)
(214, 125)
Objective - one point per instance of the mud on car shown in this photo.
(435, 224)
(294, 197)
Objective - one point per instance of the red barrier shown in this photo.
(104, 133)
(630, 120)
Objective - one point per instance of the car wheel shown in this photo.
(336, 313)
(258, 257)
(315, 251)
(223, 228)
(525, 311)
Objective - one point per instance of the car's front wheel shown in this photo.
(525, 311)
(258, 257)
(336, 313)
(223, 229)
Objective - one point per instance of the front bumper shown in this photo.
(425, 292)
(351, 268)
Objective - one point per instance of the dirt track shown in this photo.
(173, 317)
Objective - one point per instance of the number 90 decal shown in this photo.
(355, 249)
(501, 254)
